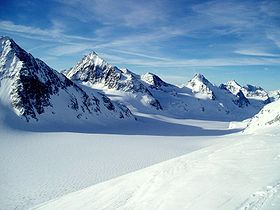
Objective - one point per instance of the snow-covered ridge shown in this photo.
(154, 81)
(94, 71)
(148, 93)
(34, 90)
(232, 86)
(199, 98)
(199, 84)
(249, 91)
(268, 117)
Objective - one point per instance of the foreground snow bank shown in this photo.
(223, 176)
(268, 117)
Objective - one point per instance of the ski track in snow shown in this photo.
(266, 199)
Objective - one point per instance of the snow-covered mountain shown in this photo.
(231, 86)
(81, 91)
(94, 71)
(250, 92)
(33, 90)
(154, 81)
(148, 93)
(269, 116)
(201, 87)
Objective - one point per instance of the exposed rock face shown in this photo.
(32, 88)
(242, 101)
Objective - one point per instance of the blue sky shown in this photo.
(175, 39)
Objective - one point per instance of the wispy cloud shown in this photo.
(274, 35)
(108, 12)
(145, 33)
(53, 34)
(181, 63)
(256, 53)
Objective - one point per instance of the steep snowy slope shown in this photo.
(241, 172)
(35, 91)
(268, 117)
(94, 71)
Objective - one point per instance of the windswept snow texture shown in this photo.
(241, 172)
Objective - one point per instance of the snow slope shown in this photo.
(268, 117)
(241, 172)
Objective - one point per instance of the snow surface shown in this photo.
(39, 166)
(241, 172)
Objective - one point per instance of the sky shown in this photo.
(174, 39)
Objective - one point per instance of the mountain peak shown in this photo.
(199, 84)
(92, 55)
(13, 57)
(233, 83)
(5, 38)
(153, 80)
(7, 42)
(90, 68)
(199, 76)
(231, 86)
(95, 59)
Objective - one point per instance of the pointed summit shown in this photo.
(15, 60)
(233, 83)
(4, 39)
(199, 84)
(231, 86)
(90, 68)
(153, 80)
(199, 76)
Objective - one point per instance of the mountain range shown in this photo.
(95, 91)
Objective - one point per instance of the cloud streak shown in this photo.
(52, 34)
(256, 53)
